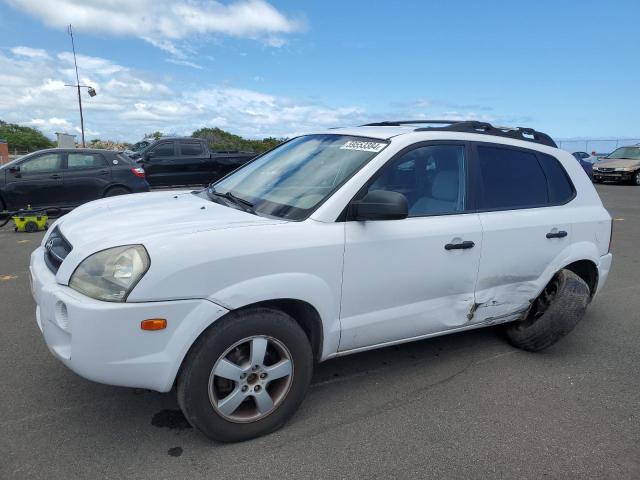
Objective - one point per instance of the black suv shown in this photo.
(67, 178)
(172, 161)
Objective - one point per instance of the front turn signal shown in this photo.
(153, 324)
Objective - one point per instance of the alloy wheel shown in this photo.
(250, 379)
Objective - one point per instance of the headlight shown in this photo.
(111, 274)
(624, 169)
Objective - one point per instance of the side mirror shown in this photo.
(15, 170)
(381, 205)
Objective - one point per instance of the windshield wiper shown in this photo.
(246, 205)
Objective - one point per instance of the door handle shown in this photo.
(459, 246)
(103, 172)
(55, 176)
(560, 234)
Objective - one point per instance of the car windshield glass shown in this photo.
(140, 146)
(293, 179)
(632, 153)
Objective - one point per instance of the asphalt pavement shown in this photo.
(461, 406)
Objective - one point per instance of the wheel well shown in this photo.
(111, 187)
(304, 314)
(3, 205)
(586, 270)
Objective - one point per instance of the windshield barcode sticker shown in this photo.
(363, 146)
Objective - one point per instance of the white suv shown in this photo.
(330, 244)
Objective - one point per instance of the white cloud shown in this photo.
(29, 52)
(164, 23)
(131, 103)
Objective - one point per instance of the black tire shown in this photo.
(31, 227)
(553, 315)
(115, 191)
(193, 379)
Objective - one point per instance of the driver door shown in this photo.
(401, 278)
(37, 183)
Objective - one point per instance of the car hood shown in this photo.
(617, 163)
(138, 218)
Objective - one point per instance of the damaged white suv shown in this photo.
(330, 244)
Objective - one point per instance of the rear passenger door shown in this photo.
(194, 163)
(85, 177)
(522, 198)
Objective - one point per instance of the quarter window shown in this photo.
(44, 163)
(431, 177)
(510, 179)
(85, 160)
(560, 187)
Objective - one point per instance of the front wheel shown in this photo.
(636, 177)
(246, 375)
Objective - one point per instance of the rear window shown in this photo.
(560, 188)
(510, 179)
(191, 149)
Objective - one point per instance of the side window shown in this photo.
(560, 187)
(191, 149)
(163, 150)
(47, 162)
(85, 160)
(431, 177)
(510, 179)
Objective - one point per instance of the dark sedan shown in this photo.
(67, 178)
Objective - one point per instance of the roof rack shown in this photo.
(473, 126)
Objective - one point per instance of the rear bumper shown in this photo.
(103, 342)
(604, 266)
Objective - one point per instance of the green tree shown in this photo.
(155, 135)
(221, 140)
(23, 138)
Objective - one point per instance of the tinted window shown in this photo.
(560, 188)
(510, 179)
(85, 160)
(42, 163)
(163, 150)
(191, 149)
(431, 177)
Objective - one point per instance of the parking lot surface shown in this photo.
(461, 406)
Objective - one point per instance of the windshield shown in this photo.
(292, 180)
(632, 153)
(137, 147)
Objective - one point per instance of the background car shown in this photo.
(173, 161)
(622, 165)
(67, 178)
(586, 157)
(584, 162)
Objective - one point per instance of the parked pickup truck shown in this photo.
(174, 161)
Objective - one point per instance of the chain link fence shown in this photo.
(598, 145)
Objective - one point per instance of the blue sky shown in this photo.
(259, 68)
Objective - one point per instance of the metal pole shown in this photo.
(73, 46)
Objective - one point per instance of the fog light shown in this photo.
(153, 324)
(62, 317)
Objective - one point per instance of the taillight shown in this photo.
(138, 172)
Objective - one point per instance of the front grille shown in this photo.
(56, 250)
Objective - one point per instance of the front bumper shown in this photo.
(613, 176)
(103, 341)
